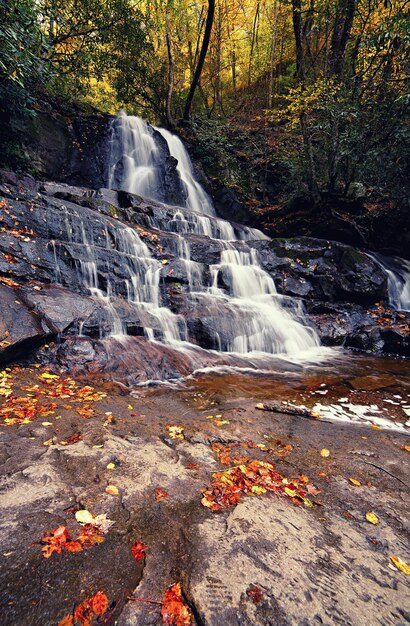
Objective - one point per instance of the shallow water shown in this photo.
(350, 388)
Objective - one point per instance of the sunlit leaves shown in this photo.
(41, 399)
(60, 540)
(85, 613)
(175, 611)
(401, 565)
(253, 478)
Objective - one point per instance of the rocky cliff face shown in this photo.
(44, 303)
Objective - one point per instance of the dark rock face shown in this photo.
(73, 149)
(48, 230)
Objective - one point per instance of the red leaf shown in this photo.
(174, 610)
(138, 550)
(255, 593)
(99, 603)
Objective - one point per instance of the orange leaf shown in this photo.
(138, 550)
(73, 546)
(68, 620)
(174, 610)
(99, 603)
(160, 494)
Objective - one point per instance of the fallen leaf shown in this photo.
(324, 452)
(254, 593)
(401, 565)
(160, 494)
(372, 518)
(174, 611)
(111, 466)
(221, 422)
(176, 432)
(406, 448)
(84, 517)
(99, 603)
(138, 550)
(112, 490)
(70, 440)
(375, 426)
(355, 482)
(191, 466)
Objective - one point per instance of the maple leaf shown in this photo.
(160, 494)
(99, 603)
(55, 542)
(174, 611)
(138, 550)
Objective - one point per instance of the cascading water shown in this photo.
(196, 198)
(398, 280)
(235, 302)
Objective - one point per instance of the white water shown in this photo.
(398, 280)
(137, 156)
(235, 303)
(197, 199)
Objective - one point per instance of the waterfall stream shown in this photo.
(235, 301)
(398, 280)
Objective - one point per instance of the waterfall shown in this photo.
(234, 304)
(196, 197)
(397, 271)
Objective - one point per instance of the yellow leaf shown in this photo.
(407, 448)
(209, 417)
(221, 422)
(372, 518)
(131, 408)
(164, 262)
(111, 466)
(176, 432)
(376, 427)
(112, 490)
(84, 517)
(355, 482)
(46, 423)
(48, 376)
(290, 492)
(258, 490)
(49, 442)
(324, 452)
(401, 565)
(315, 414)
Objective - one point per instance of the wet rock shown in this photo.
(58, 308)
(20, 330)
(372, 383)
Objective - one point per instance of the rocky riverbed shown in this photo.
(48, 230)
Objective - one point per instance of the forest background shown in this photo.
(288, 102)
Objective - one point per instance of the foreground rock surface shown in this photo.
(264, 561)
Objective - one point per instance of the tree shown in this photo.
(201, 59)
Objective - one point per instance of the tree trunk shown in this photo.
(273, 53)
(170, 119)
(297, 29)
(345, 12)
(201, 59)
